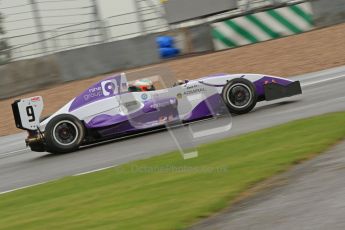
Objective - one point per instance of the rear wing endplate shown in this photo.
(27, 112)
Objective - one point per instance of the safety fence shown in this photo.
(40, 27)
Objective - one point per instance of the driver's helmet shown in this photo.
(181, 82)
(142, 85)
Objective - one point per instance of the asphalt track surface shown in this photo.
(308, 197)
(323, 92)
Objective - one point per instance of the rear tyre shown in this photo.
(64, 133)
(239, 96)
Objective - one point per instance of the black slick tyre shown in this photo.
(239, 96)
(64, 133)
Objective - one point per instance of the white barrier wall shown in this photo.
(262, 26)
(28, 75)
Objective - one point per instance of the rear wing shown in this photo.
(27, 112)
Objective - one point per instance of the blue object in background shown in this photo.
(165, 41)
(166, 47)
(168, 52)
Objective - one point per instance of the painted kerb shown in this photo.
(262, 26)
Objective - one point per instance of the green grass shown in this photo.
(140, 196)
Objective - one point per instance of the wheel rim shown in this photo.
(239, 95)
(65, 132)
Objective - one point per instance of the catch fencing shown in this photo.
(36, 28)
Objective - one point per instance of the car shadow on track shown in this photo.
(98, 144)
(157, 130)
(269, 106)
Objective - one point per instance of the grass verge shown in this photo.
(167, 192)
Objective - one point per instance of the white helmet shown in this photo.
(144, 85)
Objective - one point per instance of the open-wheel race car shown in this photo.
(112, 107)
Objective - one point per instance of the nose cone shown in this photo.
(259, 84)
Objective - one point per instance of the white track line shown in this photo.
(95, 170)
(323, 80)
(20, 188)
(78, 174)
(12, 152)
(327, 102)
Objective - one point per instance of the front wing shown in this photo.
(275, 91)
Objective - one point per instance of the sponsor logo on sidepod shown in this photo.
(144, 96)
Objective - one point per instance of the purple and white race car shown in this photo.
(112, 108)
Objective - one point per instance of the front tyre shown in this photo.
(239, 95)
(64, 133)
